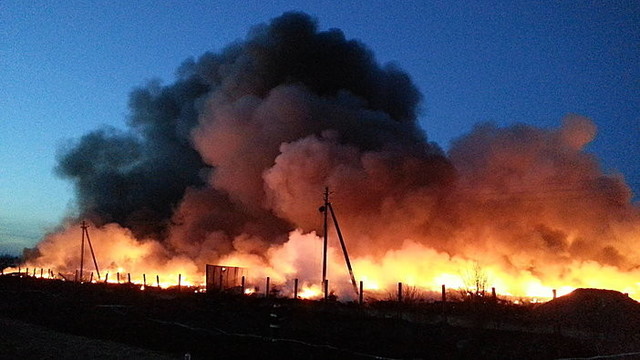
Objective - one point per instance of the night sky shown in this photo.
(67, 68)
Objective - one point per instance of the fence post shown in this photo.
(144, 280)
(326, 289)
(266, 293)
(179, 282)
(243, 284)
(399, 292)
(360, 294)
(295, 288)
(444, 303)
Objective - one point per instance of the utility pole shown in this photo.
(84, 227)
(325, 210)
(344, 249)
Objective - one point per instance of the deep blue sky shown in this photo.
(67, 68)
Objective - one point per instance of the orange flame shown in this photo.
(412, 264)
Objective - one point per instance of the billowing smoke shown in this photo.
(200, 153)
(229, 163)
(137, 178)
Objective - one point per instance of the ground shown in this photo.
(54, 319)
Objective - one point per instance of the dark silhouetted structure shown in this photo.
(221, 278)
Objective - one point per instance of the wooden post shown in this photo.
(26, 272)
(179, 282)
(84, 228)
(243, 284)
(266, 293)
(360, 294)
(129, 277)
(91, 277)
(295, 288)
(106, 278)
(158, 280)
(34, 272)
(144, 280)
(325, 289)
(118, 277)
(493, 293)
(41, 273)
(554, 294)
(399, 292)
(325, 211)
(444, 303)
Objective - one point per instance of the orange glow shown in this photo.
(310, 292)
(411, 263)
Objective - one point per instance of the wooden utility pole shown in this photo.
(326, 208)
(344, 249)
(84, 227)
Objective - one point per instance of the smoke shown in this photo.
(228, 164)
(136, 178)
(192, 162)
(539, 193)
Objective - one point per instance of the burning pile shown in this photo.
(227, 165)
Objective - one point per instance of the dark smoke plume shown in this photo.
(228, 164)
(136, 178)
(205, 141)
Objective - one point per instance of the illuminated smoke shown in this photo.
(228, 164)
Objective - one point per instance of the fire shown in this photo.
(310, 292)
(227, 166)
(449, 280)
(249, 291)
(413, 264)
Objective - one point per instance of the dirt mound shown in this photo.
(604, 311)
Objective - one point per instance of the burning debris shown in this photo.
(227, 166)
